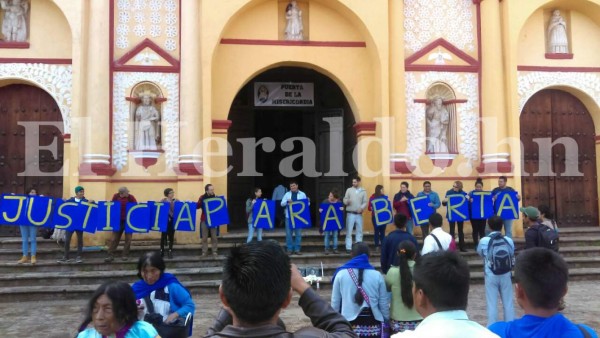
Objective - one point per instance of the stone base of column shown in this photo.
(96, 165)
(495, 163)
(191, 165)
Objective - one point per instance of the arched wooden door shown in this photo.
(574, 199)
(24, 103)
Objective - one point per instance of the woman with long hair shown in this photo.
(254, 197)
(379, 230)
(169, 298)
(399, 280)
(113, 312)
(477, 224)
(360, 295)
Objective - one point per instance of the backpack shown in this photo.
(500, 255)
(547, 237)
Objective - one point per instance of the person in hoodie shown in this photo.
(401, 206)
(541, 277)
(78, 198)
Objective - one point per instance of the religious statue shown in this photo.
(557, 34)
(14, 22)
(147, 132)
(294, 30)
(437, 118)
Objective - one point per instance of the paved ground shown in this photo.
(60, 318)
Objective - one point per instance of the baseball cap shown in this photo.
(531, 212)
(78, 188)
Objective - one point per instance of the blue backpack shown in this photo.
(500, 255)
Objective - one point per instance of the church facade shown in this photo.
(155, 94)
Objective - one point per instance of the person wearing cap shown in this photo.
(122, 197)
(78, 198)
(531, 220)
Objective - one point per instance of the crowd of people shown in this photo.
(421, 291)
(419, 296)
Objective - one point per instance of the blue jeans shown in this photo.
(251, 233)
(292, 244)
(352, 219)
(379, 232)
(28, 234)
(502, 284)
(331, 235)
(409, 226)
(508, 227)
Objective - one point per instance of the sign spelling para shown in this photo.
(283, 94)
(332, 216)
(263, 214)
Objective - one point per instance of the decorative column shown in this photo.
(495, 157)
(190, 158)
(94, 128)
(399, 162)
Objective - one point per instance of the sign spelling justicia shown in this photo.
(284, 94)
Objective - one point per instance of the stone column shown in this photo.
(494, 128)
(95, 99)
(190, 159)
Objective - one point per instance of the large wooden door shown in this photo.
(574, 198)
(24, 103)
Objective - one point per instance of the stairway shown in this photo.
(51, 280)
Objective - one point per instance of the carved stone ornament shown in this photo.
(530, 83)
(14, 20)
(464, 85)
(57, 80)
(122, 84)
(425, 21)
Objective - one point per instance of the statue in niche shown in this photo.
(147, 128)
(294, 30)
(557, 34)
(437, 118)
(14, 21)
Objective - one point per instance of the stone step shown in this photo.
(569, 236)
(58, 292)
(182, 259)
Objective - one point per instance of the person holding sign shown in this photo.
(78, 198)
(209, 192)
(478, 224)
(123, 197)
(434, 202)
(355, 201)
(294, 242)
(29, 237)
(256, 194)
(331, 235)
(169, 235)
(457, 189)
(502, 187)
(401, 205)
(379, 230)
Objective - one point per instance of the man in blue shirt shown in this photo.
(392, 240)
(501, 188)
(541, 277)
(434, 202)
(495, 284)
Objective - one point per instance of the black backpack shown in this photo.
(500, 255)
(547, 237)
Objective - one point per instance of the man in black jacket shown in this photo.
(391, 241)
(256, 286)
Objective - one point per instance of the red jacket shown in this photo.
(124, 200)
(200, 205)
